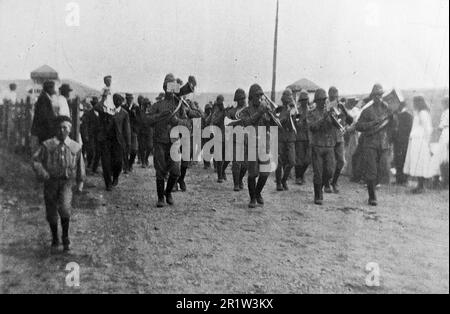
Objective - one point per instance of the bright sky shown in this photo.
(228, 44)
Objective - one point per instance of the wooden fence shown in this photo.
(16, 120)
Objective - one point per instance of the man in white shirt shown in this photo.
(10, 95)
(62, 106)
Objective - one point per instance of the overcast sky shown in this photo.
(228, 44)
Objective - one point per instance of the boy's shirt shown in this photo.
(59, 160)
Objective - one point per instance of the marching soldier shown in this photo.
(58, 162)
(256, 115)
(286, 141)
(302, 147)
(239, 168)
(206, 120)
(162, 117)
(188, 113)
(217, 119)
(339, 148)
(374, 124)
(321, 136)
(145, 137)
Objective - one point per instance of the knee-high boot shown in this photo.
(170, 184)
(65, 222)
(259, 187)
(160, 191)
(251, 183)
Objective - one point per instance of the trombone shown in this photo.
(272, 109)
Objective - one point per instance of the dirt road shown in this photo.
(210, 242)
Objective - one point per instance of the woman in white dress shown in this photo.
(418, 161)
(440, 158)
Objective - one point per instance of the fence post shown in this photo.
(76, 119)
(27, 124)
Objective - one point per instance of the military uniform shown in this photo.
(217, 119)
(286, 142)
(162, 119)
(339, 148)
(256, 115)
(321, 136)
(302, 147)
(239, 167)
(374, 144)
(187, 114)
(58, 163)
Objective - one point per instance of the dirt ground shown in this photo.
(210, 242)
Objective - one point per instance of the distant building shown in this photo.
(32, 87)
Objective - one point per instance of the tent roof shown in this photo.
(45, 72)
(303, 84)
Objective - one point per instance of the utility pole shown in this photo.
(274, 73)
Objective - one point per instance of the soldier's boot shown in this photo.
(372, 194)
(218, 167)
(131, 162)
(160, 192)
(334, 182)
(241, 177)
(287, 172)
(259, 187)
(278, 174)
(251, 183)
(223, 169)
(327, 187)
(299, 175)
(65, 222)
(318, 194)
(181, 182)
(55, 239)
(170, 184)
(236, 182)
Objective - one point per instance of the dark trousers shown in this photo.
(145, 145)
(323, 162)
(373, 160)
(163, 163)
(112, 158)
(339, 151)
(93, 154)
(357, 164)
(400, 149)
(286, 160)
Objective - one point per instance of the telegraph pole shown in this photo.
(274, 72)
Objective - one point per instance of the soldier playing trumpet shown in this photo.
(163, 116)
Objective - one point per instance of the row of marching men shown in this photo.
(308, 133)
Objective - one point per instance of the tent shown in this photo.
(44, 73)
(305, 84)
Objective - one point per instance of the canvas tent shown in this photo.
(305, 84)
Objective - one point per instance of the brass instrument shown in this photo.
(392, 100)
(271, 111)
(233, 120)
(333, 112)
